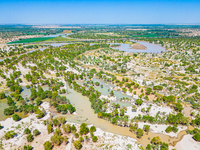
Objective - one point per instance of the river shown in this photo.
(86, 114)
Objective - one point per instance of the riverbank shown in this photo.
(187, 143)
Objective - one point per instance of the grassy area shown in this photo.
(42, 39)
(145, 35)
(32, 40)
(60, 39)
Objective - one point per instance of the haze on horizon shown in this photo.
(100, 12)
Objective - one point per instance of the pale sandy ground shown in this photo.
(30, 122)
(138, 46)
(188, 143)
(156, 128)
(160, 128)
(111, 98)
(152, 112)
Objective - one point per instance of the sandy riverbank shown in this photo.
(187, 143)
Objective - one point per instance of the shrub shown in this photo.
(140, 133)
(28, 147)
(156, 140)
(36, 132)
(196, 137)
(9, 135)
(2, 95)
(92, 129)
(27, 131)
(148, 147)
(164, 146)
(47, 145)
(67, 128)
(146, 128)
(84, 129)
(76, 135)
(29, 137)
(168, 129)
(77, 144)
(81, 139)
(138, 102)
(94, 138)
(57, 139)
(16, 117)
(8, 111)
(56, 122)
(49, 128)
(65, 139)
(73, 128)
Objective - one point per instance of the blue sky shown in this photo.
(100, 12)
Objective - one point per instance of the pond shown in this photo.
(25, 93)
(151, 48)
(107, 89)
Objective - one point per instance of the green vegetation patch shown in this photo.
(31, 40)
(61, 39)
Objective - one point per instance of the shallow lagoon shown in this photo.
(151, 48)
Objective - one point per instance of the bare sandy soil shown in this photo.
(138, 46)
(188, 143)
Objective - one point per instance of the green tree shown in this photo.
(178, 107)
(76, 135)
(16, 117)
(164, 146)
(73, 128)
(139, 133)
(146, 128)
(83, 129)
(77, 144)
(49, 128)
(29, 137)
(57, 139)
(138, 102)
(36, 132)
(112, 93)
(27, 131)
(56, 122)
(134, 127)
(67, 128)
(196, 137)
(81, 139)
(156, 140)
(48, 145)
(148, 147)
(168, 129)
(9, 135)
(94, 138)
(28, 147)
(2, 95)
(121, 112)
(9, 100)
(92, 129)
